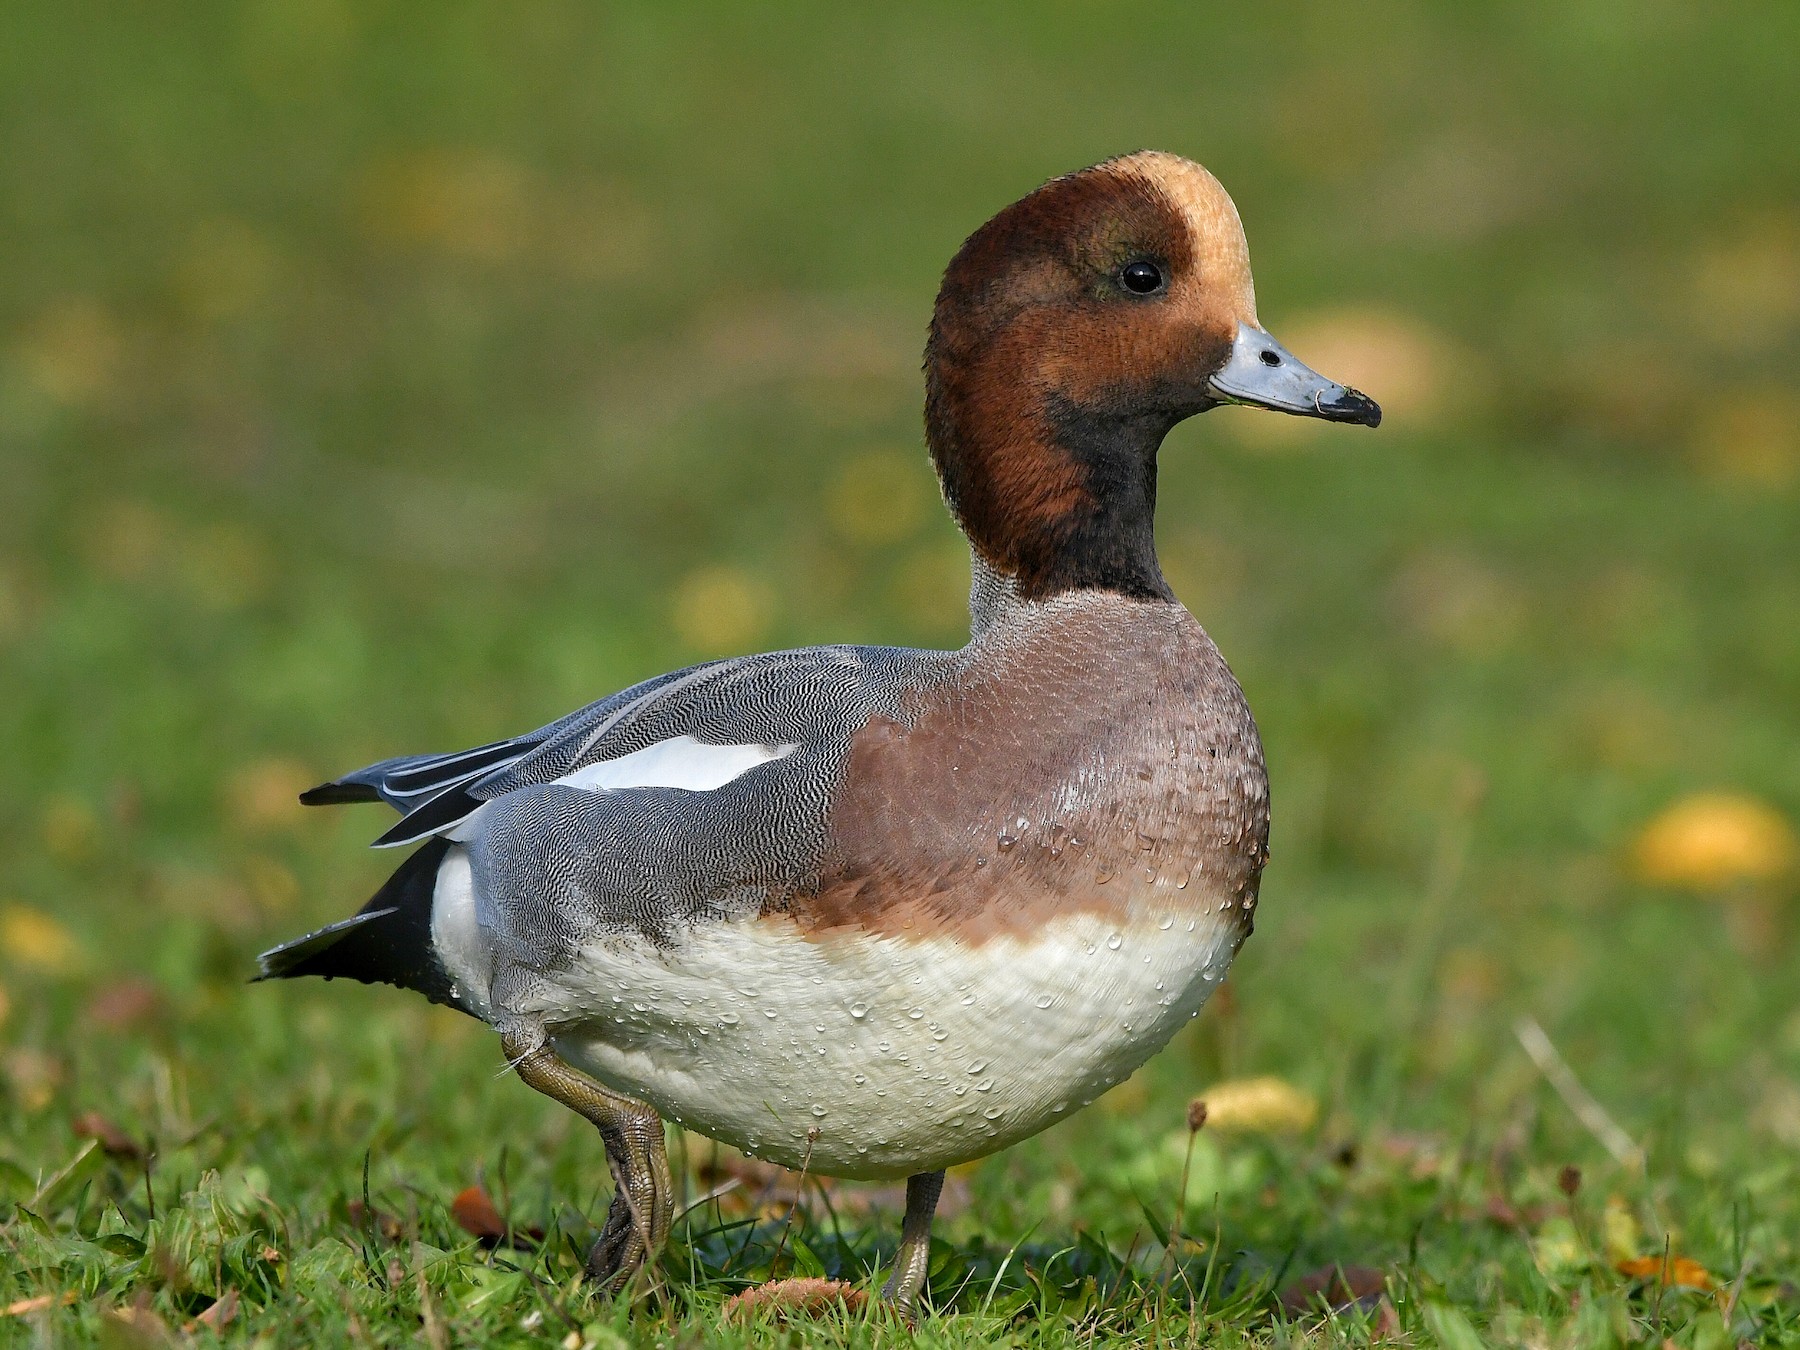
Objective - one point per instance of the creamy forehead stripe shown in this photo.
(1218, 234)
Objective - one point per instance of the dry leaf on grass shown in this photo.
(221, 1314)
(1336, 1288)
(1712, 840)
(476, 1214)
(808, 1298)
(93, 1125)
(1259, 1105)
(1679, 1272)
(26, 1306)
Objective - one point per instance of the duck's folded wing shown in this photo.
(691, 730)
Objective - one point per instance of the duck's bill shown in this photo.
(1264, 374)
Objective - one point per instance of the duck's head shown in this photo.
(1072, 331)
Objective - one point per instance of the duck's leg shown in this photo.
(914, 1257)
(643, 1203)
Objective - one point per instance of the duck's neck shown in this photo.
(1054, 495)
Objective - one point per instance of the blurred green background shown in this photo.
(395, 376)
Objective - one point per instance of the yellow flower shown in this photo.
(1712, 840)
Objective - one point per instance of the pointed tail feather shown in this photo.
(388, 941)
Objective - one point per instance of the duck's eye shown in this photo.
(1140, 277)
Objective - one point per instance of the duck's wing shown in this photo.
(691, 729)
(702, 793)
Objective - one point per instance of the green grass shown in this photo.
(386, 378)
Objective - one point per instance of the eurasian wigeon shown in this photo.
(877, 911)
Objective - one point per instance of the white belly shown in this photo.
(904, 1055)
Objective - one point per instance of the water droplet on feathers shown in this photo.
(1045, 1000)
(817, 1110)
(1114, 941)
(729, 1019)
(1166, 922)
(1006, 843)
(859, 1010)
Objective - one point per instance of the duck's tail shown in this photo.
(387, 941)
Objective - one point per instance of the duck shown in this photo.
(874, 912)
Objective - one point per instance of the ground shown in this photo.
(391, 378)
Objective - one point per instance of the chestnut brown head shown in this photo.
(1071, 332)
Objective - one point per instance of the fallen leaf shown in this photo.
(93, 1125)
(1259, 1105)
(1678, 1272)
(26, 1306)
(1336, 1288)
(808, 1297)
(475, 1213)
(221, 1314)
(1712, 840)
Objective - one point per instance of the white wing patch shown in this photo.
(679, 762)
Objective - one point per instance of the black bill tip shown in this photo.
(1351, 406)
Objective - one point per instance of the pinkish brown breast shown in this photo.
(1089, 752)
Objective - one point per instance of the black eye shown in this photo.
(1140, 277)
